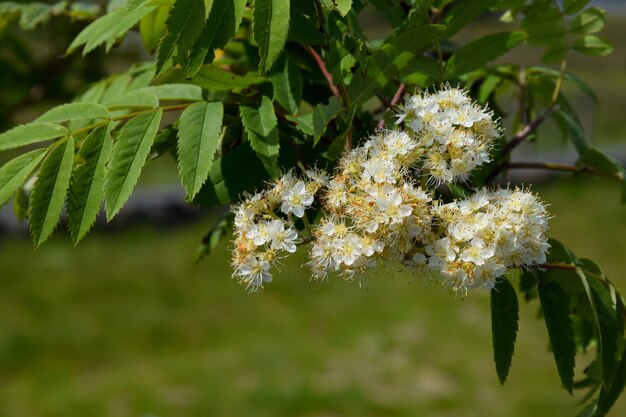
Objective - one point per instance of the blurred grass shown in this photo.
(126, 325)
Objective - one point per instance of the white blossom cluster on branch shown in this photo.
(373, 210)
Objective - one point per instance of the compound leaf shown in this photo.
(48, 196)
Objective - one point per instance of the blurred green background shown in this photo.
(127, 325)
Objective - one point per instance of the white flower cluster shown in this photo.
(455, 134)
(264, 226)
(481, 237)
(373, 211)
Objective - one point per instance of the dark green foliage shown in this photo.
(555, 308)
(504, 317)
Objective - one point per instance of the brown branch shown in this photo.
(322, 66)
(528, 130)
(396, 98)
(566, 267)
(555, 166)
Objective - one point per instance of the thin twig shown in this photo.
(521, 79)
(567, 267)
(395, 99)
(129, 116)
(555, 166)
(322, 66)
(528, 130)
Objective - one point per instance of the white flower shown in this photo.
(281, 238)
(380, 170)
(254, 272)
(296, 200)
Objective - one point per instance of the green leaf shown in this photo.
(304, 25)
(391, 9)
(261, 126)
(287, 82)
(214, 78)
(152, 26)
(183, 28)
(568, 76)
(135, 99)
(304, 123)
(165, 141)
(463, 12)
(198, 134)
(609, 329)
(20, 204)
(48, 196)
(31, 133)
(609, 396)
(74, 111)
(544, 23)
(270, 29)
(504, 318)
(386, 62)
(593, 45)
(14, 173)
(222, 24)
(576, 133)
(554, 303)
(601, 162)
(322, 115)
(87, 185)
(173, 92)
(590, 21)
(111, 27)
(235, 173)
(129, 155)
(343, 6)
(574, 6)
(211, 239)
(34, 14)
(477, 53)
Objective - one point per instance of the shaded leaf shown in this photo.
(574, 129)
(198, 133)
(287, 82)
(183, 28)
(504, 318)
(152, 26)
(590, 21)
(87, 184)
(391, 9)
(477, 53)
(388, 60)
(593, 45)
(214, 78)
(554, 304)
(574, 6)
(109, 28)
(261, 126)
(238, 171)
(212, 239)
(304, 123)
(322, 115)
(270, 29)
(224, 19)
(129, 155)
(48, 196)
(463, 12)
(14, 173)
